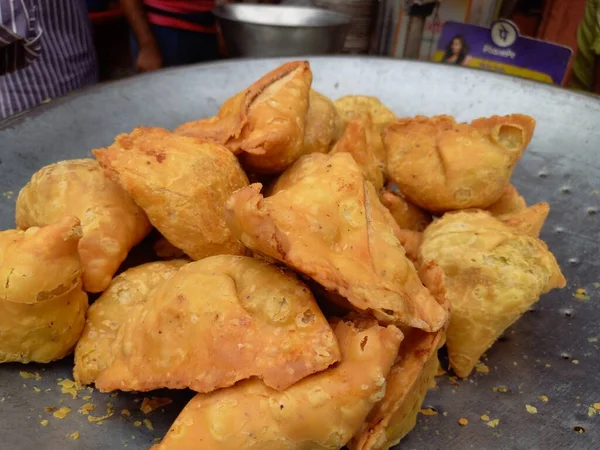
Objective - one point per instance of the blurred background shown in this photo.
(378, 27)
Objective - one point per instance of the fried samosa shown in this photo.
(529, 221)
(330, 226)
(323, 124)
(182, 184)
(493, 274)
(441, 165)
(218, 321)
(352, 107)
(266, 123)
(411, 376)
(321, 412)
(42, 303)
(304, 166)
(111, 221)
(406, 215)
(364, 143)
(101, 337)
(510, 202)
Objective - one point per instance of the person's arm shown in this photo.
(19, 36)
(149, 57)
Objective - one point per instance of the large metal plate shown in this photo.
(551, 351)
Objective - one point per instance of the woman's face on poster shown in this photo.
(456, 46)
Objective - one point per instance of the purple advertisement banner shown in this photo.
(460, 43)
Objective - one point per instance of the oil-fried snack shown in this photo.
(323, 124)
(364, 143)
(355, 106)
(410, 378)
(181, 183)
(331, 226)
(42, 303)
(304, 166)
(101, 338)
(510, 202)
(111, 221)
(441, 165)
(321, 412)
(494, 273)
(218, 321)
(406, 215)
(165, 250)
(266, 123)
(529, 221)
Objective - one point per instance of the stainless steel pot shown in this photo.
(276, 30)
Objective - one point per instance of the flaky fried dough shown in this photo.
(529, 221)
(442, 166)
(181, 183)
(364, 143)
(304, 166)
(494, 273)
(321, 412)
(112, 223)
(352, 107)
(266, 123)
(42, 304)
(323, 124)
(218, 321)
(331, 226)
(101, 338)
(411, 376)
(510, 202)
(406, 215)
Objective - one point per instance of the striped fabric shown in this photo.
(49, 52)
(190, 15)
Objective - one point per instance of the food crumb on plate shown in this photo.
(148, 424)
(74, 435)
(137, 423)
(575, 361)
(581, 294)
(463, 422)
(44, 423)
(37, 389)
(26, 375)
(86, 408)
(485, 417)
(70, 387)
(531, 409)
(544, 398)
(481, 368)
(61, 412)
(125, 412)
(500, 388)
(493, 423)
(428, 412)
(151, 404)
(596, 406)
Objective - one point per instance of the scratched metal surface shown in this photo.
(551, 351)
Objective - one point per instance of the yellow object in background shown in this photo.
(588, 43)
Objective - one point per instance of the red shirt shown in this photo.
(192, 15)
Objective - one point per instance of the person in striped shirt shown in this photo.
(171, 32)
(46, 50)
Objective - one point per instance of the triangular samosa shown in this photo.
(321, 412)
(493, 274)
(331, 226)
(219, 321)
